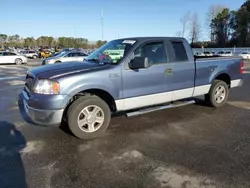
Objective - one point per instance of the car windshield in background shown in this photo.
(112, 52)
(59, 54)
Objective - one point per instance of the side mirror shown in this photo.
(139, 63)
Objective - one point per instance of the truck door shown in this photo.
(181, 70)
(147, 86)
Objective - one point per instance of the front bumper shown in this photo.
(43, 117)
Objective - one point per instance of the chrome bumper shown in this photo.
(43, 117)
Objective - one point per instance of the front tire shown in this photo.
(88, 117)
(18, 61)
(34, 57)
(218, 94)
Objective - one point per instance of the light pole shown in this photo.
(102, 18)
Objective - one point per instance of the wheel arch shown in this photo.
(103, 94)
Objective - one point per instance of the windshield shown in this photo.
(112, 52)
(59, 54)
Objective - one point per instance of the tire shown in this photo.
(34, 57)
(77, 112)
(18, 61)
(220, 100)
(57, 62)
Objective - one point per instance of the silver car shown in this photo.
(30, 54)
(65, 56)
(11, 57)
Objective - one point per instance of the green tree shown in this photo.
(3, 39)
(221, 27)
(99, 43)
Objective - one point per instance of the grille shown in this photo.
(29, 82)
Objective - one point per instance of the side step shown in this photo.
(153, 109)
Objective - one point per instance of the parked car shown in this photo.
(227, 54)
(11, 57)
(65, 56)
(220, 53)
(30, 54)
(199, 54)
(45, 54)
(207, 53)
(154, 73)
(245, 55)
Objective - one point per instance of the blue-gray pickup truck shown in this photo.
(146, 74)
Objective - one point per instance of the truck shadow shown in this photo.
(12, 173)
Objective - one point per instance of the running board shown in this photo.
(153, 109)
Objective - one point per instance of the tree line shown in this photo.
(47, 41)
(226, 28)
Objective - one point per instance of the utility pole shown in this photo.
(102, 18)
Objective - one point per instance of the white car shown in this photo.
(245, 55)
(228, 54)
(12, 57)
(199, 54)
(207, 53)
(30, 54)
(65, 56)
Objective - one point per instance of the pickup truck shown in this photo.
(153, 73)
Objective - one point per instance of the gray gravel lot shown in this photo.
(188, 147)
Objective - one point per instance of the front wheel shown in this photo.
(218, 94)
(18, 61)
(34, 57)
(88, 117)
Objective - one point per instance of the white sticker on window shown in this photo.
(129, 41)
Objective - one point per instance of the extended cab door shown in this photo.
(146, 86)
(181, 69)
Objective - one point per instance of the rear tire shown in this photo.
(218, 94)
(58, 62)
(88, 117)
(18, 61)
(34, 57)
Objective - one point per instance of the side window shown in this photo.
(155, 52)
(69, 55)
(180, 51)
(82, 54)
(10, 53)
(1, 54)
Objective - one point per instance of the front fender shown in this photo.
(110, 90)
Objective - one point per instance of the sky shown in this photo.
(122, 18)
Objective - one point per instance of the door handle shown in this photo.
(168, 71)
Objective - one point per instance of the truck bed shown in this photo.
(207, 58)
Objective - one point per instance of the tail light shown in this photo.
(242, 67)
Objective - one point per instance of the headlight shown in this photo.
(46, 87)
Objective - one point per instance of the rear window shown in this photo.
(180, 51)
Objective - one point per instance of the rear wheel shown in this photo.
(218, 94)
(34, 57)
(88, 117)
(18, 61)
(58, 62)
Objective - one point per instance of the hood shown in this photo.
(62, 69)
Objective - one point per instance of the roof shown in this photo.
(150, 38)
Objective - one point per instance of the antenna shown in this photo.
(102, 18)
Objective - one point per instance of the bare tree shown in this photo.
(213, 11)
(178, 34)
(195, 28)
(184, 20)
